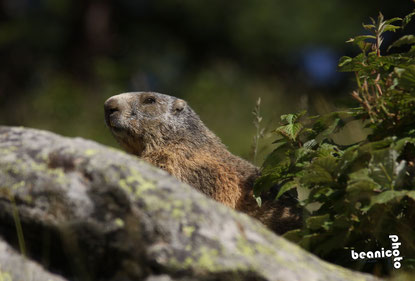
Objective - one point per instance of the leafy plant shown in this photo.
(355, 196)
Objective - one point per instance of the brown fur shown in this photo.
(166, 132)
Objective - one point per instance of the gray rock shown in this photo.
(91, 212)
(15, 267)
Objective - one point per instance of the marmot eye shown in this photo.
(149, 100)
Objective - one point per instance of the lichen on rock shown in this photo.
(89, 212)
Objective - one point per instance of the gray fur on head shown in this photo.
(144, 120)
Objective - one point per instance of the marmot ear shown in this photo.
(178, 106)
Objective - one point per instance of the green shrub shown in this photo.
(355, 195)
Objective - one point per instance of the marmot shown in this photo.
(166, 132)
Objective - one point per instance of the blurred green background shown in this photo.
(61, 59)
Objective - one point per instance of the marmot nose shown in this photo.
(110, 107)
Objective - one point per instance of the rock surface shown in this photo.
(89, 212)
(15, 267)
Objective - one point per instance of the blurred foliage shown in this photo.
(60, 59)
(356, 195)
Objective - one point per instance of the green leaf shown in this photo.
(392, 60)
(391, 27)
(407, 19)
(368, 26)
(326, 150)
(348, 158)
(293, 128)
(362, 43)
(400, 145)
(290, 131)
(279, 157)
(330, 123)
(316, 175)
(388, 196)
(383, 167)
(319, 194)
(360, 38)
(356, 64)
(309, 241)
(287, 186)
(320, 171)
(389, 21)
(293, 235)
(328, 163)
(360, 184)
(344, 60)
(310, 144)
(303, 154)
(274, 170)
(404, 40)
(291, 118)
(317, 222)
(373, 146)
(361, 187)
(408, 77)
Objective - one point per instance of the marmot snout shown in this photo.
(142, 118)
(166, 132)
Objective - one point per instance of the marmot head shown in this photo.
(143, 120)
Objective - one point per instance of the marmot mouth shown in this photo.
(117, 128)
(114, 124)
